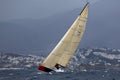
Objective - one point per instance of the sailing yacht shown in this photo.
(64, 50)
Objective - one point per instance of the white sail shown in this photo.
(66, 47)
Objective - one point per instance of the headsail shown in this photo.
(66, 47)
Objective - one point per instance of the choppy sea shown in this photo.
(34, 74)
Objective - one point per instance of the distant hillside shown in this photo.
(99, 58)
(10, 60)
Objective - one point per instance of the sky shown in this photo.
(35, 9)
(22, 23)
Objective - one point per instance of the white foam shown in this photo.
(59, 70)
(84, 70)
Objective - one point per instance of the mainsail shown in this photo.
(64, 50)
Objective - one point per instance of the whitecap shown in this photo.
(59, 70)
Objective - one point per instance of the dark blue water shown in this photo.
(34, 74)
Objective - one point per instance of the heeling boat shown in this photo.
(64, 50)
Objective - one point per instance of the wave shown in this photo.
(11, 68)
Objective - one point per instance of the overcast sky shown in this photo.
(35, 9)
(13, 9)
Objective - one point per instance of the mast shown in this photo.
(66, 47)
(84, 8)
